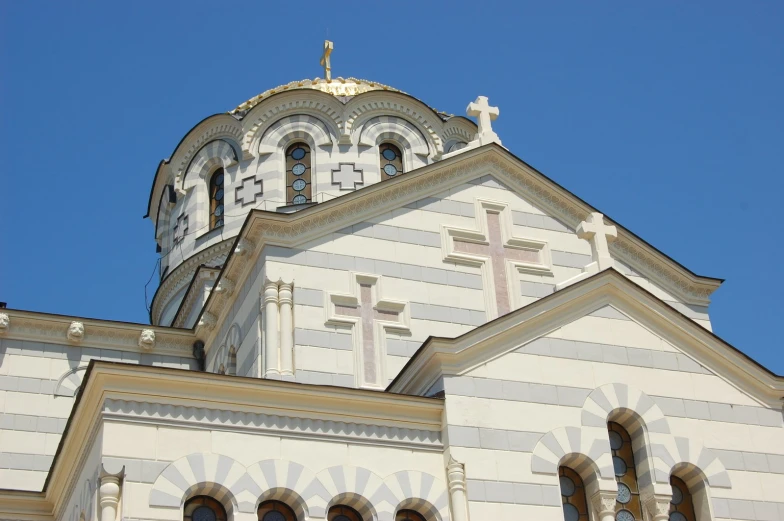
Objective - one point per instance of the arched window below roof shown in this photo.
(343, 513)
(203, 508)
(573, 497)
(391, 161)
(298, 174)
(627, 505)
(275, 511)
(216, 199)
(409, 515)
(682, 504)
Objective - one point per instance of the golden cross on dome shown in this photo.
(325, 60)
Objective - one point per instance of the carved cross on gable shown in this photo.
(251, 189)
(370, 316)
(180, 228)
(598, 235)
(498, 253)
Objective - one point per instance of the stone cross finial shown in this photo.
(325, 60)
(484, 114)
(598, 235)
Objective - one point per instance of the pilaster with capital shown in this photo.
(457, 490)
(285, 298)
(270, 297)
(603, 503)
(658, 507)
(109, 493)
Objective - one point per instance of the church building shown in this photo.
(371, 310)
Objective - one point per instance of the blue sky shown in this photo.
(667, 116)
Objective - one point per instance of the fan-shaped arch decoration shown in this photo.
(292, 128)
(315, 103)
(218, 127)
(398, 130)
(214, 475)
(619, 397)
(70, 381)
(289, 482)
(588, 449)
(351, 486)
(372, 104)
(233, 336)
(215, 154)
(414, 490)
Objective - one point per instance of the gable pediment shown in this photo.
(294, 230)
(643, 318)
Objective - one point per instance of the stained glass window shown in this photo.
(575, 504)
(682, 505)
(275, 511)
(203, 508)
(216, 199)
(391, 161)
(343, 513)
(298, 174)
(627, 503)
(409, 515)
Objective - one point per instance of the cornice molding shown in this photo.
(280, 425)
(183, 274)
(103, 334)
(290, 230)
(452, 356)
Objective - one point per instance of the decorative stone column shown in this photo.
(604, 504)
(659, 507)
(457, 490)
(109, 497)
(286, 329)
(271, 327)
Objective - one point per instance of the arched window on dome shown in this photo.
(343, 513)
(682, 504)
(409, 515)
(298, 174)
(391, 161)
(627, 504)
(275, 511)
(216, 199)
(203, 508)
(573, 497)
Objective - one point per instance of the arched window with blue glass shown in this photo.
(391, 161)
(573, 496)
(343, 513)
(216, 199)
(298, 174)
(275, 511)
(203, 508)
(682, 503)
(627, 504)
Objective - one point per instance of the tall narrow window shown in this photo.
(343, 513)
(203, 508)
(391, 161)
(575, 505)
(682, 505)
(627, 504)
(216, 199)
(275, 511)
(298, 174)
(409, 515)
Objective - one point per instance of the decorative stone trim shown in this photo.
(279, 425)
(75, 332)
(208, 320)
(310, 494)
(104, 334)
(590, 445)
(219, 127)
(5, 323)
(198, 287)
(70, 381)
(224, 286)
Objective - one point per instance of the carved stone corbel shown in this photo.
(75, 333)
(224, 286)
(658, 507)
(147, 339)
(208, 320)
(5, 323)
(243, 246)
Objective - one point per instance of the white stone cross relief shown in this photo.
(370, 316)
(180, 228)
(251, 189)
(599, 235)
(499, 254)
(484, 114)
(347, 176)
